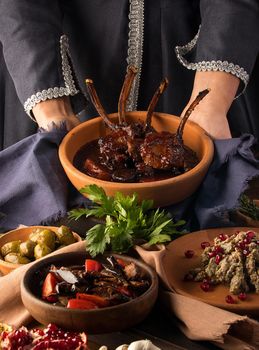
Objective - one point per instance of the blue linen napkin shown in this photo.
(233, 166)
(35, 190)
(33, 186)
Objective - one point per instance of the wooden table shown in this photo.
(157, 327)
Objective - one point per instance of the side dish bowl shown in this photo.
(102, 320)
(163, 192)
(21, 234)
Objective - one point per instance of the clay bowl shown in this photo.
(109, 319)
(21, 234)
(164, 192)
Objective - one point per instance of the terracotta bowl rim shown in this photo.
(12, 266)
(206, 159)
(29, 273)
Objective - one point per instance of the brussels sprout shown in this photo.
(27, 248)
(41, 250)
(16, 258)
(47, 237)
(10, 247)
(65, 235)
(34, 235)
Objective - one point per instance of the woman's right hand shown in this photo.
(57, 111)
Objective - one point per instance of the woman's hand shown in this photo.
(56, 111)
(214, 122)
(211, 113)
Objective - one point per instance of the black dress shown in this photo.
(48, 48)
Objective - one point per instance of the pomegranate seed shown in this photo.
(19, 338)
(242, 296)
(241, 245)
(38, 331)
(205, 245)
(206, 280)
(222, 237)
(245, 252)
(247, 240)
(218, 259)
(212, 254)
(189, 254)
(4, 334)
(51, 337)
(205, 286)
(250, 234)
(52, 328)
(230, 300)
(218, 250)
(188, 277)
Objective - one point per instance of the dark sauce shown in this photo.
(90, 153)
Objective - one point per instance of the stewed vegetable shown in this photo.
(94, 285)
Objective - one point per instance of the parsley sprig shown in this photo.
(126, 222)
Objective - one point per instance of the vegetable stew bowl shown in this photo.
(162, 192)
(21, 234)
(102, 320)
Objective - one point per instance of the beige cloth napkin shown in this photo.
(12, 311)
(197, 320)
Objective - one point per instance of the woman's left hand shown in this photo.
(213, 122)
(211, 112)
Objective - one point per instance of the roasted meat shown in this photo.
(133, 151)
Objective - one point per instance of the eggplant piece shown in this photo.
(96, 169)
(139, 287)
(65, 288)
(115, 267)
(131, 271)
(124, 175)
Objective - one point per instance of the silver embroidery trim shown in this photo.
(68, 89)
(222, 66)
(135, 48)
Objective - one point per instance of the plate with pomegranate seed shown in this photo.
(217, 266)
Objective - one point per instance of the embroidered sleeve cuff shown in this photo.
(222, 66)
(54, 92)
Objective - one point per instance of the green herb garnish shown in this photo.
(248, 207)
(126, 222)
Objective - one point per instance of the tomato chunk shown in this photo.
(121, 262)
(49, 286)
(81, 304)
(92, 265)
(100, 301)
